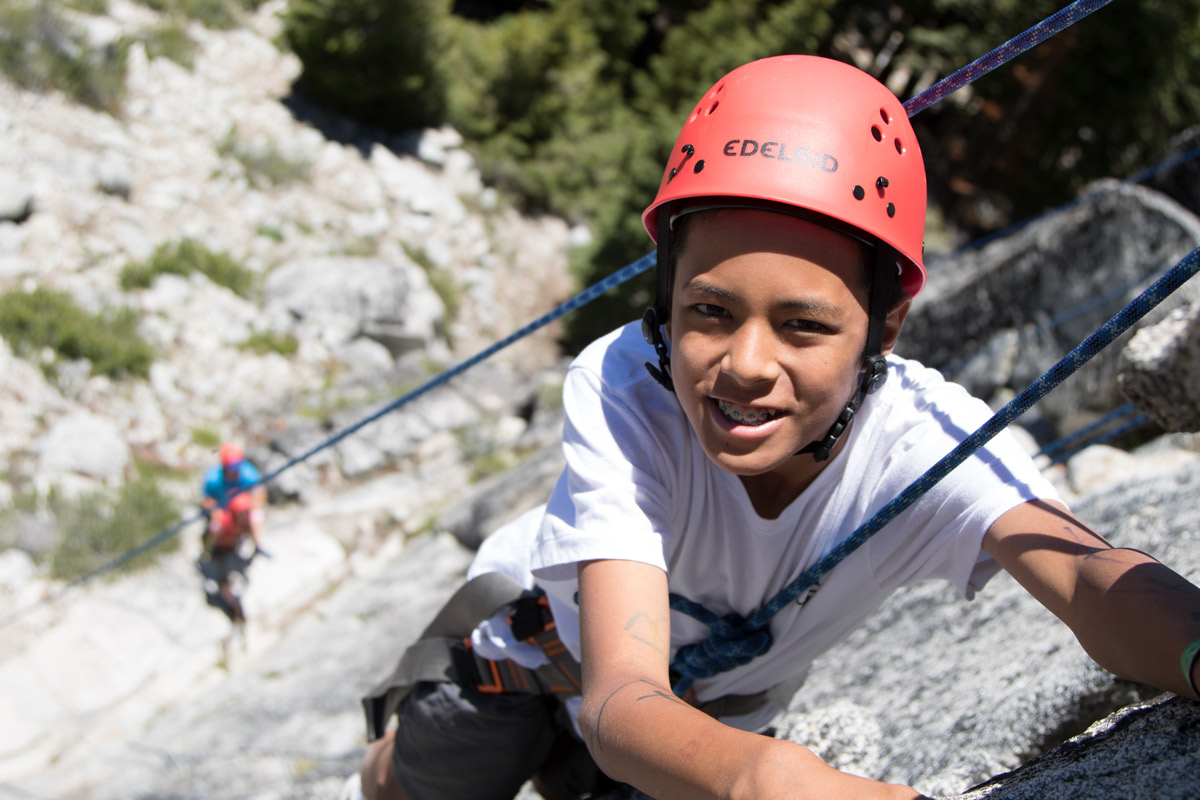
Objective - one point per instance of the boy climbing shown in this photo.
(752, 422)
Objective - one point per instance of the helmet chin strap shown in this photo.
(875, 368)
(657, 314)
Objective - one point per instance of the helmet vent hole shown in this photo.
(859, 193)
(878, 134)
(885, 116)
(899, 146)
(891, 209)
(699, 166)
(713, 107)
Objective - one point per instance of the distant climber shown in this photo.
(233, 501)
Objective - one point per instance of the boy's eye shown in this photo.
(807, 326)
(708, 310)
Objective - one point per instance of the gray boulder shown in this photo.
(1148, 750)
(85, 444)
(963, 691)
(1159, 370)
(343, 298)
(497, 500)
(996, 318)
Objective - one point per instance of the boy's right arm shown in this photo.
(640, 733)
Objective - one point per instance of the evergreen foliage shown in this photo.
(375, 60)
(572, 105)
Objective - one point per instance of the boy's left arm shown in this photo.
(1132, 614)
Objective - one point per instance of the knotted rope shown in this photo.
(730, 643)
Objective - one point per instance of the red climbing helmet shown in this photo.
(808, 132)
(241, 504)
(231, 454)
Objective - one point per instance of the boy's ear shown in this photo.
(895, 321)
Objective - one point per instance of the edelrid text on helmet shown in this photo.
(811, 133)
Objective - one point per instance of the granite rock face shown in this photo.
(995, 318)
(1159, 370)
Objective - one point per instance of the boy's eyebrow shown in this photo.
(799, 304)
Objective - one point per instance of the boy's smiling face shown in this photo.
(768, 324)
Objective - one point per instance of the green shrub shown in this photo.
(40, 49)
(44, 318)
(95, 7)
(97, 527)
(206, 437)
(269, 232)
(376, 60)
(214, 14)
(185, 257)
(169, 40)
(264, 166)
(263, 342)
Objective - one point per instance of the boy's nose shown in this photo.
(750, 357)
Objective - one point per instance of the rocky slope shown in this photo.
(116, 689)
(383, 259)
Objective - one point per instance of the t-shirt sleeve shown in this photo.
(944, 529)
(612, 501)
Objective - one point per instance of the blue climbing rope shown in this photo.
(1004, 53)
(1084, 433)
(1129, 426)
(586, 296)
(734, 641)
(583, 298)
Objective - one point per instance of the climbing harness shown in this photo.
(429, 658)
(734, 640)
(530, 621)
(443, 652)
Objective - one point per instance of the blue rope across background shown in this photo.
(1003, 54)
(583, 298)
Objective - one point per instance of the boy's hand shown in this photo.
(640, 733)
(794, 772)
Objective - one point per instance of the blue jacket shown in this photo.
(216, 487)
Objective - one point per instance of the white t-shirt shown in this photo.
(638, 486)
